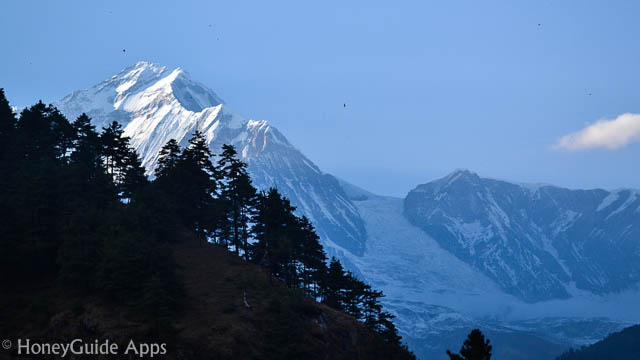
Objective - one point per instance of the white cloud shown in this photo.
(610, 134)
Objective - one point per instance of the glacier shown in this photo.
(439, 297)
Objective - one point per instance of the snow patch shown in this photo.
(607, 201)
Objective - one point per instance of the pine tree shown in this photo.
(88, 148)
(167, 158)
(164, 197)
(121, 161)
(389, 344)
(238, 198)
(64, 133)
(311, 256)
(188, 181)
(387, 330)
(113, 148)
(475, 347)
(197, 183)
(199, 154)
(133, 175)
(43, 134)
(334, 285)
(272, 230)
(90, 192)
(88, 180)
(371, 307)
(31, 192)
(7, 185)
(354, 293)
(7, 124)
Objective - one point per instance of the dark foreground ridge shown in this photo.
(622, 345)
(229, 311)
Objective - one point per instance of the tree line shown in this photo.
(79, 209)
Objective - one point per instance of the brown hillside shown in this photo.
(213, 322)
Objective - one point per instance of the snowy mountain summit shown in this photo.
(155, 104)
(539, 242)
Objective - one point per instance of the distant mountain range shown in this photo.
(534, 265)
(536, 242)
(438, 297)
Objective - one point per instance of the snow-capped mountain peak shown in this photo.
(160, 82)
(155, 103)
(458, 178)
(460, 175)
(141, 86)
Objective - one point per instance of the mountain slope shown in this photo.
(439, 298)
(155, 104)
(536, 242)
(229, 310)
(621, 345)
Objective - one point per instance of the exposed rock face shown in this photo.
(536, 242)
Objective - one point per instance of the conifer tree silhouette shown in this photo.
(475, 347)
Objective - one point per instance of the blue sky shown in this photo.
(430, 87)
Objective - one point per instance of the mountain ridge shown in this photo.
(621, 345)
(488, 222)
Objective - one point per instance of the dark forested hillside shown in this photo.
(623, 345)
(228, 310)
(196, 258)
